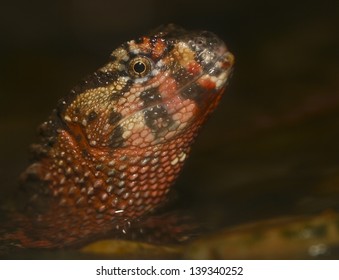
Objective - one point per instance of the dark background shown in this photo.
(270, 149)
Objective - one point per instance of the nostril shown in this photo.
(200, 41)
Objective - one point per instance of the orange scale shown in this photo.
(160, 171)
(135, 190)
(144, 188)
(142, 182)
(154, 168)
(171, 172)
(148, 201)
(170, 178)
(170, 134)
(131, 98)
(133, 176)
(177, 116)
(164, 153)
(165, 165)
(133, 169)
(138, 141)
(134, 135)
(154, 161)
(133, 160)
(162, 180)
(149, 138)
(151, 175)
(168, 88)
(207, 83)
(143, 177)
(164, 159)
(154, 186)
(163, 186)
(172, 146)
(131, 184)
(145, 132)
(173, 153)
(194, 67)
(155, 193)
(144, 169)
(176, 104)
(160, 174)
(158, 48)
(126, 111)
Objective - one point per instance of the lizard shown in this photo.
(113, 147)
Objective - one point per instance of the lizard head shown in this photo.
(153, 89)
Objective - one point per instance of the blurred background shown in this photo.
(271, 148)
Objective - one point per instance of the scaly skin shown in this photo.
(113, 147)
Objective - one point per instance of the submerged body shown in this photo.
(113, 147)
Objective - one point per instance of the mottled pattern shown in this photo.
(113, 147)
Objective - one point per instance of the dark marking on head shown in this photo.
(100, 78)
(95, 80)
(77, 111)
(78, 138)
(193, 92)
(116, 96)
(84, 153)
(170, 45)
(150, 96)
(112, 58)
(182, 76)
(215, 72)
(131, 55)
(157, 118)
(116, 139)
(92, 116)
(119, 94)
(114, 117)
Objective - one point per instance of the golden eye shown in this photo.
(139, 67)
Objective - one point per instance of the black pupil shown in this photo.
(139, 67)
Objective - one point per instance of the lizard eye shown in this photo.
(139, 67)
